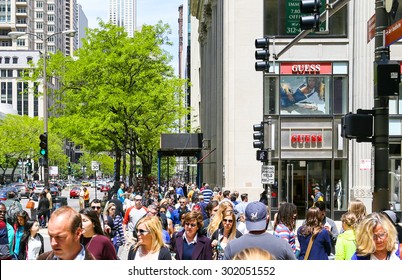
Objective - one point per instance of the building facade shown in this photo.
(124, 13)
(301, 101)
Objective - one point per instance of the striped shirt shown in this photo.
(284, 232)
(207, 193)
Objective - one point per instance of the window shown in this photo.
(39, 25)
(325, 94)
(39, 46)
(281, 18)
(39, 14)
(29, 59)
(21, 42)
(50, 17)
(50, 7)
(7, 60)
(50, 28)
(39, 4)
(15, 60)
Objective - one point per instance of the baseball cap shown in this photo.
(391, 215)
(256, 216)
(316, 188)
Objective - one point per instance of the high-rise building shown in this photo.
(124, 13)
(40, 20)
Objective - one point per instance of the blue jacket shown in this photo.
(321, 248)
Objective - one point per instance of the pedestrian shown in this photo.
(285, 225)
(43, 208)
(183, 208)
(106, 224)
(329, 225)
(34, 198)
(221, 237)
(253, 254)
(133, 215)
(150, 245)
(31, 244)
(49, 197)
(19, 228)
(81, 198)
(257, 219)
(318, 196)
(376, 239)
(86, 197)
(346, 243)
(6, 235)
(116, 232)
(65, 230)
(314, 239)
(358, 208)
(93, 237)
(190, 243)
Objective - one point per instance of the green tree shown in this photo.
(119, 94)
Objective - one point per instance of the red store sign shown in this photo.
(306, 138)
(306, 68)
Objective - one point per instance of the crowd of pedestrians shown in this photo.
(183, 222)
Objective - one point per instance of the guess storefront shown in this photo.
(305, 102)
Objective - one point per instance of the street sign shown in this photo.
(371, 28)
(53, 170)
(262, 155)
(393, 33)
(95, 166)
(268, 174)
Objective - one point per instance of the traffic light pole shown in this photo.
(381, 120)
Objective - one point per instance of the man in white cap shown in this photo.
(318, 196)
(256, 222)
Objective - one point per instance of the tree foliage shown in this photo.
(119, 94)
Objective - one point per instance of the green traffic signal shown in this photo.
(43, 144)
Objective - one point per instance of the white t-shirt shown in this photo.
(148, 257)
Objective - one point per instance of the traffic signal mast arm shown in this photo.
(330, 10)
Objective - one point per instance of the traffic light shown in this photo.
(43, 145)
(29, 167)
(357, 126)
(262, 54)
(258, 136)
(311, 21)
(69, 169)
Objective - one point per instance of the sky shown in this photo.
(148, 12)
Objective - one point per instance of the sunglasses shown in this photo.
(3, 212)
(112, 209)
(228, 221)
(96, 207)
(143, 232)
(190, 225)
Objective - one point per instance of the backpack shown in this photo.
(11, 215)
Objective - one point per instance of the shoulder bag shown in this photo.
(310, 244)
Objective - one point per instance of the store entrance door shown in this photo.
(299, 178)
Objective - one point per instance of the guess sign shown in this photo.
(306, 138)
(306, 68)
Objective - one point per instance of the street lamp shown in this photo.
(17, 34)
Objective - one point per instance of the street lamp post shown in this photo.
(16, 34)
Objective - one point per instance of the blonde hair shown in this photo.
(153, 224)
(253, 254)
(349, 218)
(365, 243)
(232, 233)
(224, 207)
(358, 208)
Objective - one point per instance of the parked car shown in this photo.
(5, 190)
(54, 191)
(105, 188)
(39, 188)
(75, 192)
(22, 189)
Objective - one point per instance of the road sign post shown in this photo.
(95, 167)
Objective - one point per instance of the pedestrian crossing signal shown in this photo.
(262, 155)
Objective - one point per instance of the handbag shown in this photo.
(30, 204)
(310, 244)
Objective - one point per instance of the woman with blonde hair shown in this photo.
(225, 207)
(253, 254)
(150, 244)
(376, 239)
(358, 208)
(223, 235)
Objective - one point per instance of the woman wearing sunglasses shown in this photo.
(190, 243)
(149, 244)
(224, 234)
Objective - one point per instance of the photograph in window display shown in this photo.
(308, 97)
